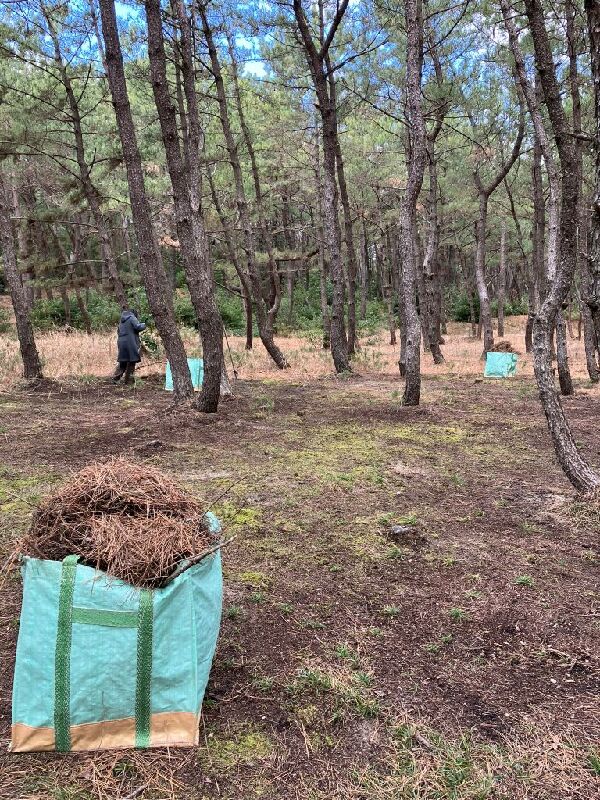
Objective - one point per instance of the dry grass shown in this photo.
(110, 775)
(126, 519)
(80, 356)
(537, 762)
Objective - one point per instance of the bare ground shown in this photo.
(457, 658)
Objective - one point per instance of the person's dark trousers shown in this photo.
(126, 370)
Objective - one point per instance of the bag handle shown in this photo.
(142, 620)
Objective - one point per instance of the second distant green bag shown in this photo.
(500, 365)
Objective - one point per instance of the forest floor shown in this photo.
(458, 659)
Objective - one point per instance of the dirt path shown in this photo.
(455, 657)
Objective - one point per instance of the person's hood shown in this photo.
(126, 315)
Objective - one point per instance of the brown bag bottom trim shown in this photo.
(167, 729)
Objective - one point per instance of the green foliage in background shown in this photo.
(459, 309)
(104, 311)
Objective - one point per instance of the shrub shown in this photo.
(458, 308)
(232, 312)
(104, 312)
(5, 324)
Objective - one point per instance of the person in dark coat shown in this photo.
(128, 344)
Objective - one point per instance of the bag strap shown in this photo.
(143, 688)
(142, 620)
(62, 656)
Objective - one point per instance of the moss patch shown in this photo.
(243, 747)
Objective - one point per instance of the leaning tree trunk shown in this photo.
(185, 182)
(408, 215)
(532, 99)
(581, 475)
(32, 366)
(151, 266)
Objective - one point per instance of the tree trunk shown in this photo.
(339, 341)
(32, 367)
(538, 235)
(64, 296)
(485, 191)
(562, 357)
(485, 308)
(264, 230)
(349, 241)
(581, 475)
(151, 266)
(85, 316)
(388, 266)
(531, 97)
(316, 63)
(431, 266)
(592, 295)
(364, 271)
(413, 13)
(590, 343)
(421, 294)
(263, 317)
(246, 289)
(185, 182)
(24, 253)
(321, 244)
(502, 278)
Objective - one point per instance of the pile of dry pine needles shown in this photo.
(128, 520)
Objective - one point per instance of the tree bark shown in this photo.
(581, 475)
(413, 13)
(151, 266)
(540, 137)
(326, 319)
(431, 267)
(502, 279)
(185, 183)
(316, 63)
(592, 295)
(32, 366)
(364, 270)
(348, 231)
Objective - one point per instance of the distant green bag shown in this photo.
(500, 365)
(196, 367)
(101, 664)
